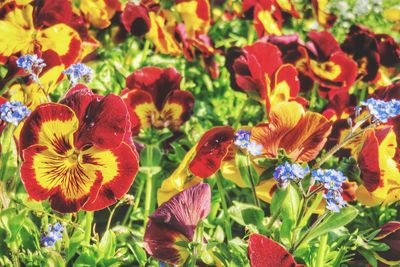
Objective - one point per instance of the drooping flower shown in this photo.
(265, 252)
(383, 110)
(13, 112)
(154, 99)
(176, 220)
(390, 236)
(200, 162)
(54, 233)
(287, 172)
(78, 153)
(79, 72)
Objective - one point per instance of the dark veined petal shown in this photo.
(117, 167)
(390, 235)
(211, 150)
(264, 252)
(177, 109)
(135, 19)
(368, 161)
(176, 220)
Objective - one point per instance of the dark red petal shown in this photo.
(53, 12)
(368, 161)
(103, 124)
(211, 150)
(264, 252)
(325, 44)
(156, 81)
(135, 19)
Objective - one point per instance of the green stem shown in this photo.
(136, 204)
(273, 218)
(221, 191)
(321, 251)
(112, 214)
(149, 185)
(298, 244)
(14, 254)
(237, 124)
(253, 186)
(88, 226)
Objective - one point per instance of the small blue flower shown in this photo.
(54, 233)
(242, 138)
(31, 63)
(331, 179)
(78, 72)
(255, 148)
(334, 200)
(383, 110)
(13, 112)
(289, 172)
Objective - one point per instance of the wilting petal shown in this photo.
(211, 150)
(264, 252)
(177, 109)
(103, 124)
(117, 167)
(16, 30)
(64, 40)
(135, 19)
(306, 140)
(51, 125)
(176, 220)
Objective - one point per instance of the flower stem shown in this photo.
(14, 254)
(301, 240)
(221, 191)
(253, 186)
(321, 251)
(149, 184)
(88, 226)
(237, 124)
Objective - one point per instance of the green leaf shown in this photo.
(138, 252)
(245, 214)
(54, 259)
(107, 245)
(8, 162)
(242, 163)
(333, 221)
(369, 256)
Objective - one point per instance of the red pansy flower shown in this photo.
(79, 153)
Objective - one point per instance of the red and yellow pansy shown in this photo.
(154, 99)
(78, 153)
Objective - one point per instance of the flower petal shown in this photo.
(211, 150)
(177, 109)
(117, 167)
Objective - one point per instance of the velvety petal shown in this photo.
(390, 236)
(142, 110)
(135, 19)
(50, 125)
(53, 12)
(68, 49)
(117, 167)
(158, 82)
(265, 252)
(389, 50)
(46, 174)
(177, 109)
(176, 220)
(325, 44)
(267, 55)
(211, 150)
(104, 123)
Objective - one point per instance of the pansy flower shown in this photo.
(265, 252)
(78, 153)
(389, 235)
(322, 14)
(174, 221)
(258, 70)
(201, 162)
(154, 99)
(99, 12)
(268, 15)
(20, 35)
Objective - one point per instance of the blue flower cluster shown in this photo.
(13, 112)
(287, 172)
(78, 72)
(31, 63)
(54, 233)
(242, 140)
(332, 181)
(383, 110)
